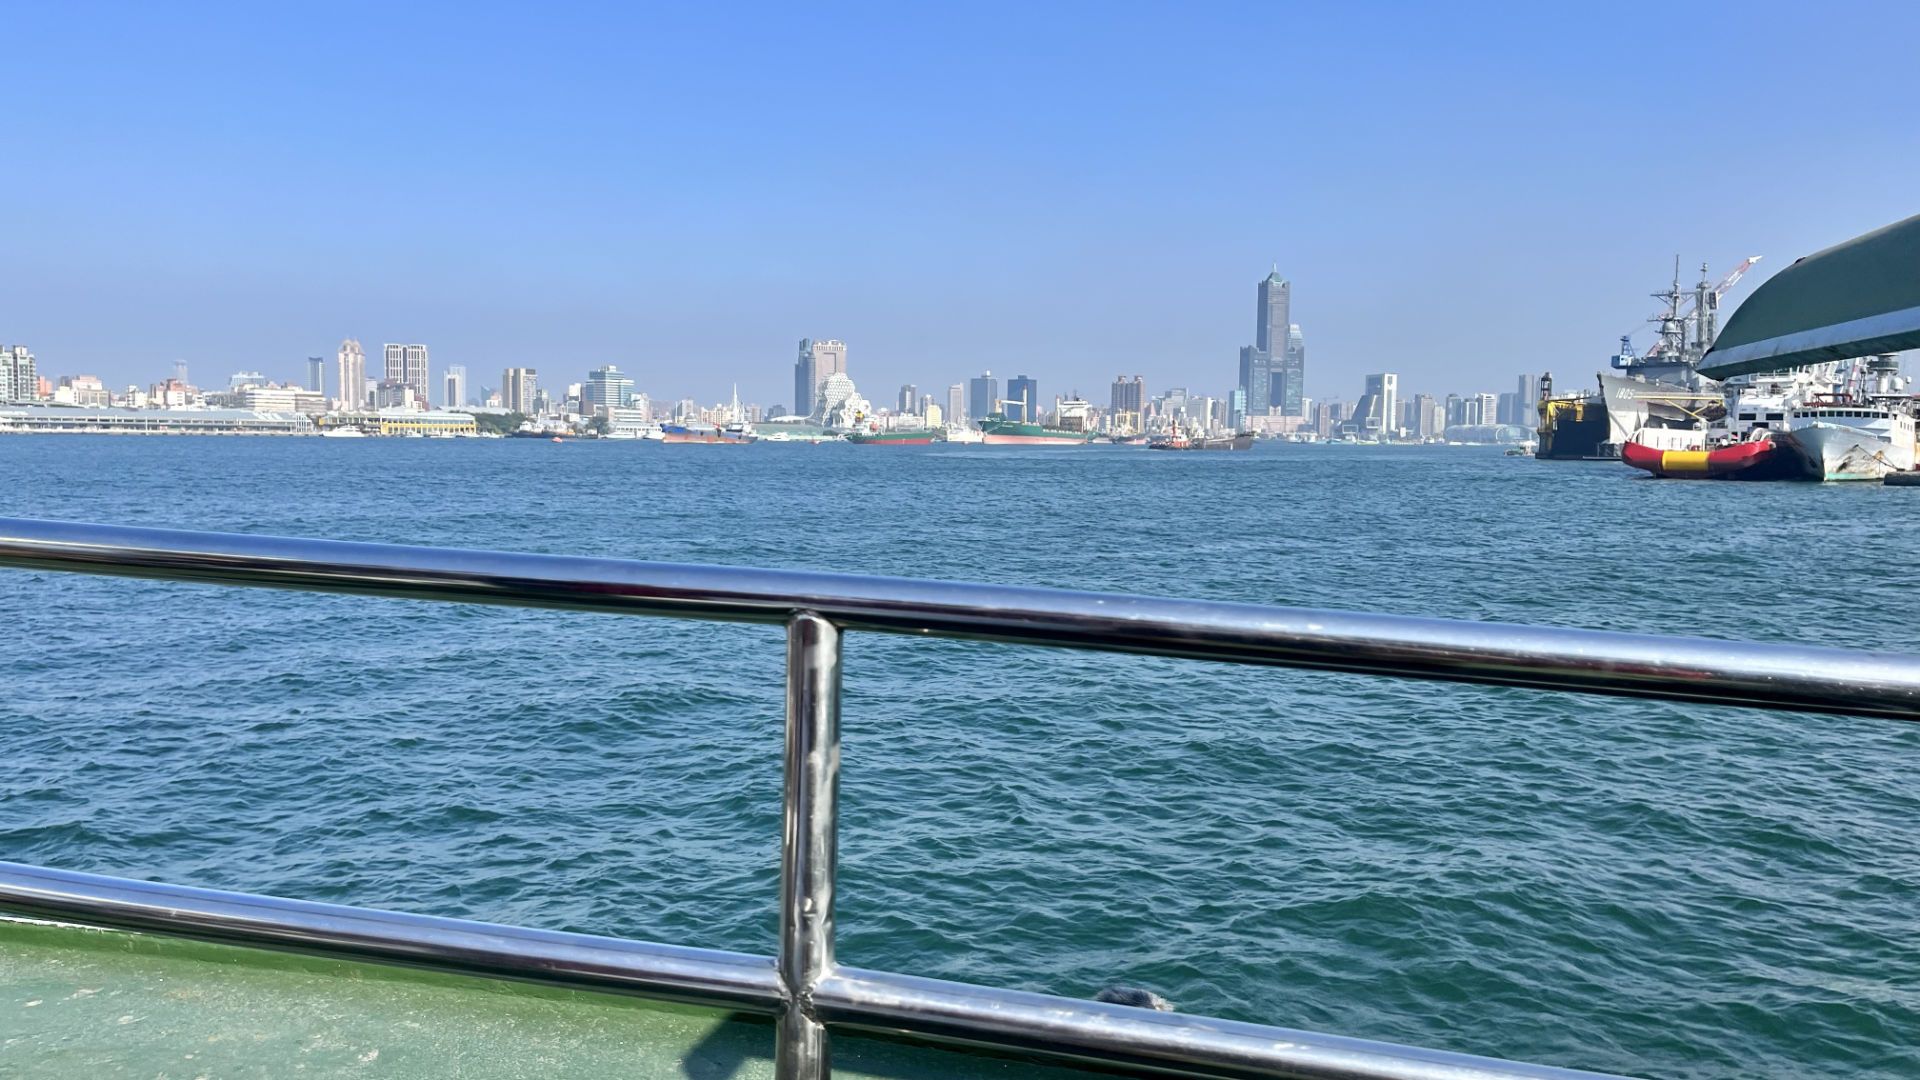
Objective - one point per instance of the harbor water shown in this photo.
(1646, 888)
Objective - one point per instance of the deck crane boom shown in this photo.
(1678, 312)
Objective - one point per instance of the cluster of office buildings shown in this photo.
(1269, 396)
(1383, 414)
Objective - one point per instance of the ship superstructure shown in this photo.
(1650, 394)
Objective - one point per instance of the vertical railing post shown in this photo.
(807, 846)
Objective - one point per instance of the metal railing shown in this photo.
(803, 987)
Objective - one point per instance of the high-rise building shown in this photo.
(1386, 387)
(1455, 410)
(455, 395)
(317, 374)
(1260, 361)
(1127, 404)
(1256, 380)
(408, 364)
(19, 378)
(1529, 392)
(1023, 399)
(983, 396)
(818, 359)
(1489, 408)
(909, 395)
(353, 375)
(519, 388)
(1508, 410)
(1288, 383)
(1274, 296)
(1426, 418)
(956, 404)
(606, 388)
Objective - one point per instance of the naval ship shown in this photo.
(1649, 394)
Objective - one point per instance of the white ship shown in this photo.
(964, 433)
(1863, 432)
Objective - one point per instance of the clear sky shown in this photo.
(1458, 192)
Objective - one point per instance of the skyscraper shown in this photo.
(1273, 368)
(1289, 380)
(956, 404)
(983, 396)
(1274, 296)
(909, 394)
(19, 379)
(1023, 399)
(1255, 380)
(818, 359)
(518, 389)
(1385, 388)
(1128, 402)
(456, 387)
(407, 365)
(1529, 391)
(353, 375)
(606, 388)
(1427, 417)
(317, 375)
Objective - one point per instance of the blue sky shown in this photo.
(1458, 192)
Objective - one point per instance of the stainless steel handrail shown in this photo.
(1785, 677)
(668, 972)
(803, 987)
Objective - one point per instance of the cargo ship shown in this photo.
(731, 435)
(1069, 427)
(920, 437)
(997, 430)
(736, 432)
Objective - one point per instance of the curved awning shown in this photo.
(1854, 299)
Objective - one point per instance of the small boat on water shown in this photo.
(343, 433)
(963, 433)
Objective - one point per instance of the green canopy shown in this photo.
(1854, 299)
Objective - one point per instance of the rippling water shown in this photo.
(1667, 890)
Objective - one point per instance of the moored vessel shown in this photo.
(1853, 440)
(1654, 391)
(1759, 458)
(918, 437)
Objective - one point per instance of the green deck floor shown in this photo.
(100, 1003)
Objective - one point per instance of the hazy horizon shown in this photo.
(1073, 193)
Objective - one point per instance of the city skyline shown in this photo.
(1097, 208)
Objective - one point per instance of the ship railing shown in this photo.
(803, 986)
